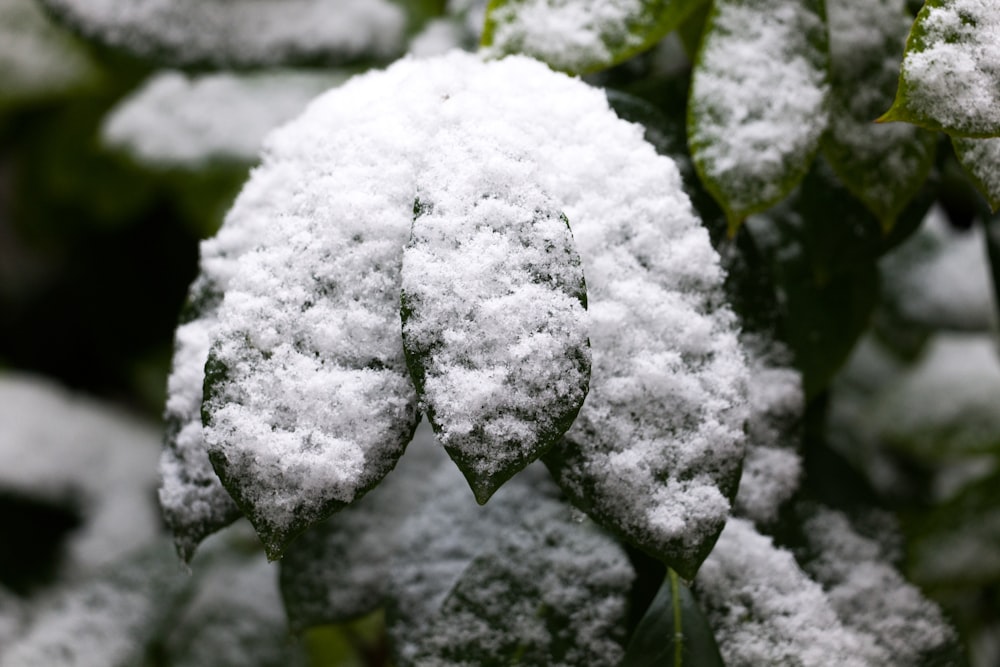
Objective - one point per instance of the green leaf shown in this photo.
(580, 36)
(758, 103)
(822, 246)
(549, 589)
(494, 329)
(992, 229)
(949, 80)
(882, 165)
(673, 632)
(339, 569)
(981, 160)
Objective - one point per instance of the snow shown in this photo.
(981, 158)
(765, 610)
(952, 76)
(944, 407)
(244, 33)
(869, 595)
(37, 59)
(866, 46)
(176, 120)
(311, 401)
(494, 319)
(941, 278)
(72, 450)
(570, 35)
(758, 102)
(103, 621)
(772, 468)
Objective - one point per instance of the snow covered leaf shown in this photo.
(673, 632)
(193, 500)
(93, 461)
(758, 102)
(524, 580)
(494, 320)
(940, 278)
(339, 570)
(656, 448)
(981, 160)
(174, 120)
(38, 61)
(950, 79)
(233, 616)
(944, 408)
(580, 36)
(249, 33)
(104, 621)
(883, 165)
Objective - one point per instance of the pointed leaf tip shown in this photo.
(494, 323)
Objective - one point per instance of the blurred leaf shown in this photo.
(758, 104)
(883, 165)
(981, 160)
(673, 632)
(581, 36)
(951, 36)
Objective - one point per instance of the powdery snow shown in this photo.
(312, 401)
(493, 304)
(72, 450)
(981, 158)
(244, 33)
(175, 120)
(570, 35)
(758, 100)
(952, 76)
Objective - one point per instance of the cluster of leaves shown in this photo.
(536, 286)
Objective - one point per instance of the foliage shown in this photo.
(631, 338)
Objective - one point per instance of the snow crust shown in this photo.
(570, 35)
(69, 449)
(37, 59)
(176, 120)
(311, 399)
(952, 75)
(758, 102)
(248, 32)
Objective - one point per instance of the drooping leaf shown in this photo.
(347, 172)
(758, 103)
(339, 570)
(494, 324)
(673, 632)
(580, 36)
(981, 160)
(525, 580)
(173, 120)
(949, 80)
(882, 165)
(217, 33)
